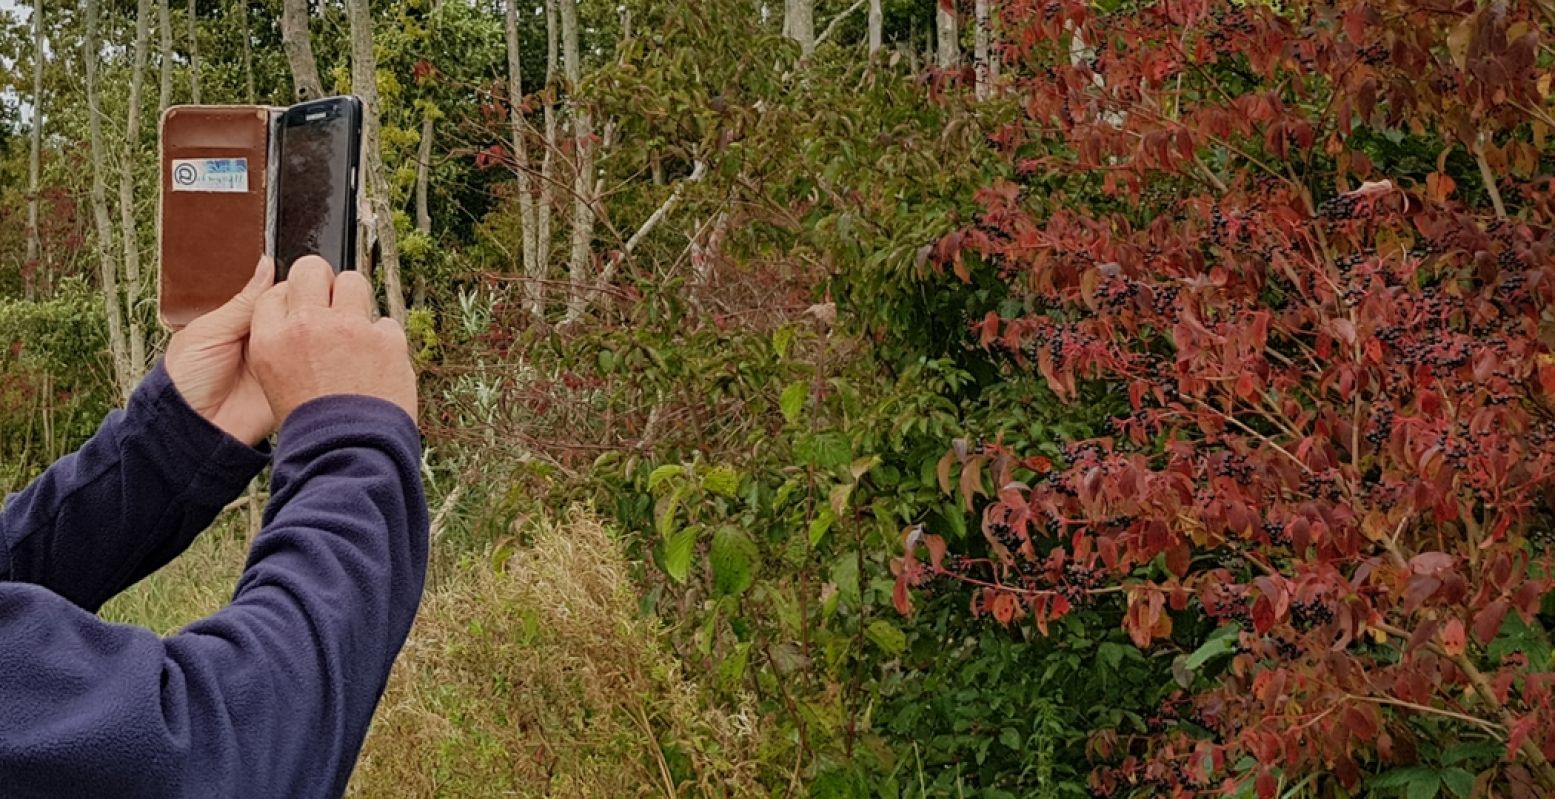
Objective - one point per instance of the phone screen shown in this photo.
(316, 185)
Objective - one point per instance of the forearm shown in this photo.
(273, 695)
(131, 499)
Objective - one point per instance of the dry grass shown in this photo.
(532, 673)
(529, 673)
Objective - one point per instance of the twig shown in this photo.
(444, 509)
(831, 27)
(1489, 178)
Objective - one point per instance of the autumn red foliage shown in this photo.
(1314, 248)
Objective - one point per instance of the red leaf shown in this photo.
(900, 597)
(1454, 641)
(1267, 785)
(1263, 615)
(1488, 621)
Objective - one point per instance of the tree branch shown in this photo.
(832, 26)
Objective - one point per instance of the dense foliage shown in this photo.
(1166, 416)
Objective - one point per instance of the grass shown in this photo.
(530, 672)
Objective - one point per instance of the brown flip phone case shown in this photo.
(214, 205)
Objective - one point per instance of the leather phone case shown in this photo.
(215, 200)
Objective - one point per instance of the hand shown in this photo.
(209, 365)
(314, 337)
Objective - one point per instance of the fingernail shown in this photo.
(262, 271)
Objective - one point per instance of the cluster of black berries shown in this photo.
(1234, 467)
(1542, 538)
(1077, 584)
(1305, 615)
(1116, 294)
(1449, 354)
(1224, 604)
(1323, 485)
(1454, 450)
(1002, 533)
(1163, 299)
(1372, 54)
(1339, 207)
(1278, 533)
(1082, 451)
(1285, 649)
(1381, 426)
(1226, 26)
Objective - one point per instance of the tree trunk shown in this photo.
(876, 26)
(108, 270)
(248, 53)
(165, 23)
(33, 271)
(299, 50)
(526, 201)
(194, 54)
(799, 24)
(423, 174)
(128, 229)
(980, 38)
(364, 82)
(945, 29)
(582, 184)
(544, 207)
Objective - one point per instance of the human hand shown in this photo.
(209, 365)
(314, 336)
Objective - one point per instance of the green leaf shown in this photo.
(1427, 787)
(825, 450)
(838, 499)
(781, 338)
(819, 527)
(862, 466)
(844, 574)
(791, 402)
(657, 477)
(677, 554)
(1460, 782)
(1010, 737)
(731, 670)
(666, 509)
(886, 636)
(733, 557)
(722, 480)
(1220, 643)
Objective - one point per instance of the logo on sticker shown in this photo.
(210, 174)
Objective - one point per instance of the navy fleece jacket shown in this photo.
(271, 696)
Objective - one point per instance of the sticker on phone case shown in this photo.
(210, 174)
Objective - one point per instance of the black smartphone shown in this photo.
(316, 182)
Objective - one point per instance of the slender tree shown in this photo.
(108, 270)
(35, 143)
(980, 39)
(128, 229)
(165, 54)
(799, 23)
(248, 52)
(545, 205)
(582, 188)
(949, 51)
(533, 265)
(876, 26)
(298, 45)
(423, 173)
(194, 53)
(364, 71)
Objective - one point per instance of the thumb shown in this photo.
(232, 319)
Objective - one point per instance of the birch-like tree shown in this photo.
(980, 48)
(165, 54)
(364, 83)
(298, 45)
(249, 94)
(125, 375)
(799, 24)
(194, 53)
(581, 261)
(949, 50)
(35, 144)
(876, 26)
(128, 228)
(534, 265)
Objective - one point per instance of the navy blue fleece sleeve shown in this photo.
(271, 696)
(133, 498)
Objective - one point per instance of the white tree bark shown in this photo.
(248, 52)
(108, 269)
(799, 24)
(299, 50)
(423, 175)
(528, 224)
(35, 144)
(364, 82)
(981, 38)
(949, 51)
(165, 54)
(581, 261)
(876, 26)
(545, 207)
(194, 54)
(129, 230)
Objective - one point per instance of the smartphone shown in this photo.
(318, 153)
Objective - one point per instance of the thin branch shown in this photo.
(832, 26)
(1489, 178)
